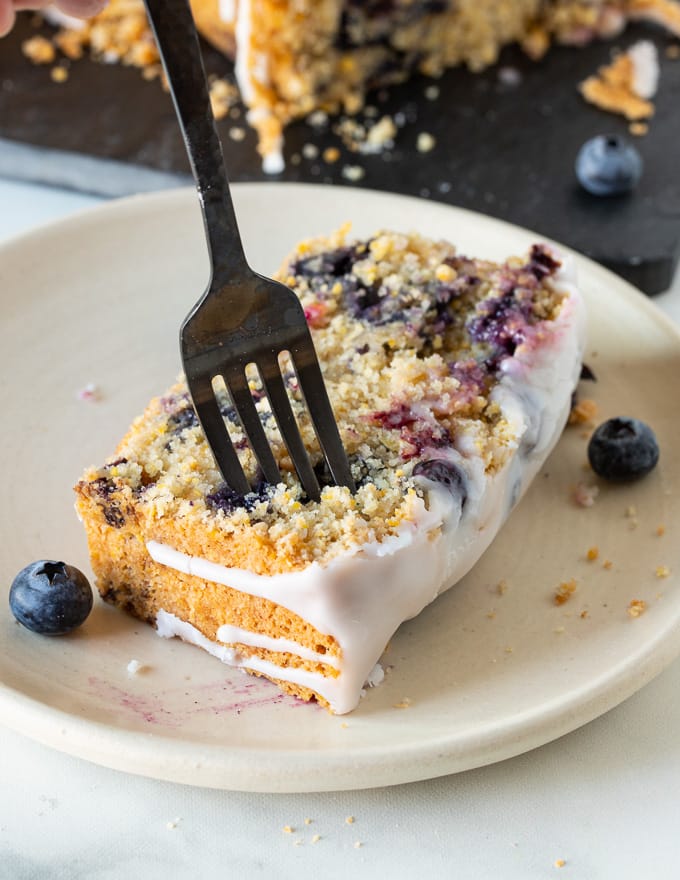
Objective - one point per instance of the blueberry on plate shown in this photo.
(608, 165)
(623, 449)
(50, 598)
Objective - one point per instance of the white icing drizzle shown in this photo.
(168, 625)
(273, 162)
(242, 34)
(250, 68)
(234, 635)
(361, 597)
(227, 10)
(646, 72)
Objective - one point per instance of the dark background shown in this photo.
(503, 150)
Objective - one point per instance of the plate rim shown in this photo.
(222, 766)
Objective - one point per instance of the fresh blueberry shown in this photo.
(623, 449)
(50, 598)
(445, 473)
(608, 165)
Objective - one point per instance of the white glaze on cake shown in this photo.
(227, 10)
(646, 70)
(243, 49)
(249, 69)
(362, 597)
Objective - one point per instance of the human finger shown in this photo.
(6, 17)
(81, 8)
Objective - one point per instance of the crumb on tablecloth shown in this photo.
(565, 591)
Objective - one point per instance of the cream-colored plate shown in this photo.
(480, 675)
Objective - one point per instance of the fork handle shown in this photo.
(177, 40)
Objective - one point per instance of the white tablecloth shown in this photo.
(604, 800)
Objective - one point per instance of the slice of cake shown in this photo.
(451, 379)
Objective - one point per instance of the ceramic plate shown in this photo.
(485, 673)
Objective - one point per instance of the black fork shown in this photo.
(243, 318)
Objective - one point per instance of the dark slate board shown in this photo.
(507, 151)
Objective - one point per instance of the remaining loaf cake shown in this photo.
(296, 56)
(451, 379)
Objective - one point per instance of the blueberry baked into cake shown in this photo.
(451, 380)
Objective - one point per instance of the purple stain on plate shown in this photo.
(148, 708)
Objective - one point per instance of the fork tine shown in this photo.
(313, 388)
(216, 433)
(242, 398)
(285, 418)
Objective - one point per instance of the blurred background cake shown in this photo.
(293, 57)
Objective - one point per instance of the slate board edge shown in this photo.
(114, 179)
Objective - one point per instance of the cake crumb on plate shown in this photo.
(90, 392)
(565, 591)
(584, 495)
(583, 412)
(134, 667)
(636, 607)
